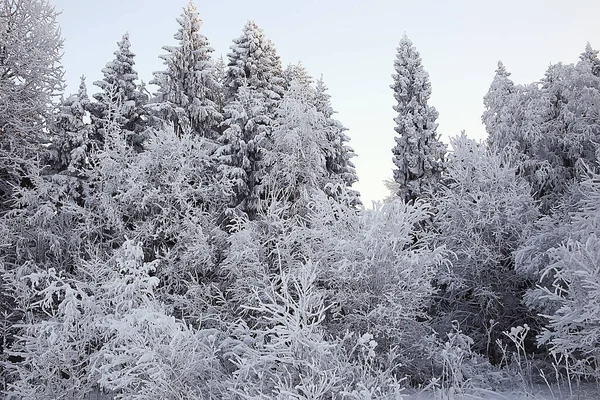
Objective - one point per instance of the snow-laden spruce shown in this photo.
(189, 94)
(418, 154)
(253, 62)
(121, 95)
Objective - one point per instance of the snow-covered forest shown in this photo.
(199, 238)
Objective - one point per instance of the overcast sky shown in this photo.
(353, 44)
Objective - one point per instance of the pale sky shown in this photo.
(353, 44)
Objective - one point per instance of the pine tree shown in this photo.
(418, 154)
(189, 89)
(254, 63)
(119, 87)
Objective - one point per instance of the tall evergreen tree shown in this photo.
(243, 146)
(253, 88)
(72, 133)
(189, 89)
(418, 154)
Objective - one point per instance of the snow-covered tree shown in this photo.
(499, 111)
(189, 93)
(254, 63)
(30, 79)
(418, 154)
(105, 328)
(570, 128)
(295, 162)
(30, 71)
(299, 73)
(72, 133)
(590, 56)
(338, 153)
(563, 257)
(119, 87)
(294, 356)
(243, 147)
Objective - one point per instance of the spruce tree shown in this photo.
(299, 73)
(590, 56)
(253, 88)
(72, 141)
(418, 154)
(189, 90)
(243, 146)
(338, 154)
(498, 114)
(119, 88)
(253, 62)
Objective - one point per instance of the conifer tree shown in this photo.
(418, 154)
(253, 62)
(72, 132)
(119, 88)
(299, 73)
(498, 114)
(253, 87)
(243, 147)
(338, 154)
(189, 89)
(590, 56)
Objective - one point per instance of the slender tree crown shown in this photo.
(189, 89)
(72, 132)
(497, 115)
(120, 100)
(591, 56)
(418, 154)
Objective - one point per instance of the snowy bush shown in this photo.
(105, 328)
(377, 270)
(570, 283)
(294, 357)
(484, 212)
